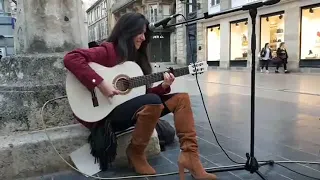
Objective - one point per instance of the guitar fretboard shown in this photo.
(155, 77)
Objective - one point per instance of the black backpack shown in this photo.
(166, 133)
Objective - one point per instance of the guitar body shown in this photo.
(80, 98)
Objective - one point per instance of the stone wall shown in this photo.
(181, 35)
(46, 26)
(201, 33)
(27, 82)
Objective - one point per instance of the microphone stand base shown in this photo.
(252, 165)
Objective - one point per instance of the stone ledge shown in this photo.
(26, 155)
(20, 108)
(32, 69)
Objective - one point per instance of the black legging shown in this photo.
(265, 63)
(122, 116)
(284, 62)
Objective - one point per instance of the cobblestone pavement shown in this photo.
(287, 125)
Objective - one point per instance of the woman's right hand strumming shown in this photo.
(107, 90)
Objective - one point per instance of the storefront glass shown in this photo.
(213, 41)
(272, 31)
(310, 33)
(239, 40)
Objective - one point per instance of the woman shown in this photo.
(128, 42)
(283, 55)
(266, 56)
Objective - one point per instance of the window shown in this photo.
(153, 13)
(215, 2)
(166, 10)
(1, 6)
(239, 40)
(272, 31)
(99, 12)
(192, 7)
(102, 10)
(213, 43)
(310, 33)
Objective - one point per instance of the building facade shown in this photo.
(7, 26)
(97, 19)
(226, 40)
(189, 37)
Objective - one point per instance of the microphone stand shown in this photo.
(251, 165)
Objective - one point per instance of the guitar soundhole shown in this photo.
(122, 84)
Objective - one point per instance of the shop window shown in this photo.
(272, 31)
(239, 40)
(213, 43)
(310, 33)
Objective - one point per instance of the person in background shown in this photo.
(283, 55)
(266, 56)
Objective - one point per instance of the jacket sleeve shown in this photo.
(77, 61)
(159, 90)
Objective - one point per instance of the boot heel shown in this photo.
(181, 171)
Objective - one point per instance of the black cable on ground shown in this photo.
(296, 171)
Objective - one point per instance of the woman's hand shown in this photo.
(107, 90)
(168, 80)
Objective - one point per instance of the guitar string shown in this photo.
(137, 81)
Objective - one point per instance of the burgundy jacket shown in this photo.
(77, 61)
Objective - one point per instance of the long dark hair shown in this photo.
(265, 46)
(127, 27)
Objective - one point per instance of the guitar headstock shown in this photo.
(198, 67)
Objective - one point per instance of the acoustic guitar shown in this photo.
(93, 106)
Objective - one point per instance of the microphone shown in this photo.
(163, 22)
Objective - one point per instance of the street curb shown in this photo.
(30, 154)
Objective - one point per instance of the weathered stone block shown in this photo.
(20, 108)
(32, 70)
(6, 163)
(27, 82)
(30, 154)
(40, 22)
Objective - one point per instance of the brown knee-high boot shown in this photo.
(189, 159)
(147, 119)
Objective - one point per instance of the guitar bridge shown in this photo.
(95, 102)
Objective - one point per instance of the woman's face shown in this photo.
(268, 46)
(138, 39)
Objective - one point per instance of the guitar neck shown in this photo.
(156, 77)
